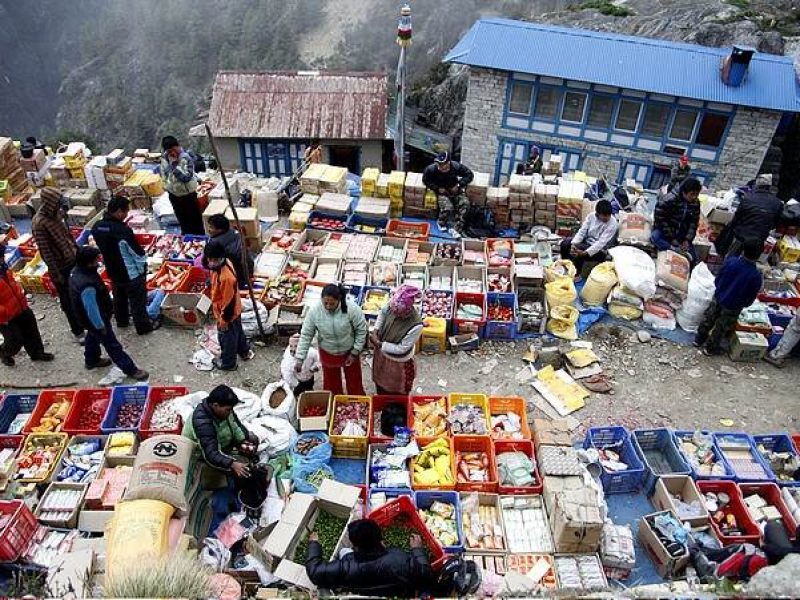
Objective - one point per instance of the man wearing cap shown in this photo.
(177, 173)
(680, 172)
(57, 249)
(448, 180)
(758, 214)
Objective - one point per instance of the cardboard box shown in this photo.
(747, 346)
(71, 571)
(307, 399)
(551, 433)
(65, 520)
(94, 521)
(666, 566)
(576, 522)
(215, 207)
(248, 219)
(668, 486)
(185, 310)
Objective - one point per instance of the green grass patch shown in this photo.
(607, 8)
(741, 4)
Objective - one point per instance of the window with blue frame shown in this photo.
(610, 116)
(514, 152)
(273, 158)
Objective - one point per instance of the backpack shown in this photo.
(460, 577)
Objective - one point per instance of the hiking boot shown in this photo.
(103, 362)
(80, 339)
(8, 361)
(141, 375)
(43, 357)
(778, 363)
(218, 365)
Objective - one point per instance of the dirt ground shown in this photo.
(655, 384)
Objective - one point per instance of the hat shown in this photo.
(684, 160)
(764, 181)
(442, 157)
(50, 193)
(223, 395)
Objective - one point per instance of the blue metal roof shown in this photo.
(645, 64)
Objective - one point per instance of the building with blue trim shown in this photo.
(617, 105)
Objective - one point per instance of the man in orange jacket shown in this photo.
(227, 307)
(17, 322)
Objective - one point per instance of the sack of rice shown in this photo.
(163, 470)
(599, 284)
(672, 270)
(634, 228)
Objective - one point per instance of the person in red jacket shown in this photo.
(17, 322)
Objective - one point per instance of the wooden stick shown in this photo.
(25, 386)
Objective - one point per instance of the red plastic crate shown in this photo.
(378, 403)
(772, 494)
(423, 442)
(476, 443)
(414, 400)
(796, 442)
(527, 448)
(469, 325)
(28, 248)
(46, 399)
(156, 396)
(151, 284)
(408, 230)
(145, 240)
(19, 530)
(403, 507)
(81, 403)
(752, 532)
(197, 276)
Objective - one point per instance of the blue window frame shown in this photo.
(270, 158)
(512, 152)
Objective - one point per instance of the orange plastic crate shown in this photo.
(87, 399)
(46, 399)
(499, 405)
(527, 448)
(422, 442)
(151, 284)
(194, 282)
(408, 230)
(350, 446)
(481, 444)
(419, 400)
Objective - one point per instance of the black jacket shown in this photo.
(759, 213)
(232, 242)
(81, 279)
(672, 211)
(205, 433)
(108, 234)
(458, 175)
(388, 573)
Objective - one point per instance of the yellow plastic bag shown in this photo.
(137, 532)
(560, 292)
(562, 322)
(560, 269)
(599, 284)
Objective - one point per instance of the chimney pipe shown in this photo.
(734, 66)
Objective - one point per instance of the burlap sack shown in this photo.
(164, 470)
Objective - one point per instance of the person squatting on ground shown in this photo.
(449, 180)
(737, 286)
(394, 341)
(180, 181)
(304, 380)
(596, 235)
(791, 335)
(676, 217)
(227, 306)
(339, 325)
(57, 248)
(18, 324)
(126, 264)
(94, 308)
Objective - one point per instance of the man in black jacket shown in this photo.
(371, 569)
(676, 217)
(758, 214)
(219, 229)
(449, 180)
(126, 265)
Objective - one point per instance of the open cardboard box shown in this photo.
(668, 486)
(185, 310)
(298, 518)
(65, 520)
(318, 398)
(666, 566)
(492, 500)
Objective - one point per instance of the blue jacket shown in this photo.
(738, 283)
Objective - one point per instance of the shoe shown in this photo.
(778, 363)
(141, 375)
(80, 339)
(455, 233)
(103, 362)
(250, 355)
(145, 331)
(710, 352)
(8, 361)
(123, 325)
(43, 357)
(218, 365)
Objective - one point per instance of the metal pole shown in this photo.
(231, 203)
(401, 110)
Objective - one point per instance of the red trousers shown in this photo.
(332, 365)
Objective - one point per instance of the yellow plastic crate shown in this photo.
(33, 277)
(350, 446)
(35, 440)
(479, 400)
(789, 249)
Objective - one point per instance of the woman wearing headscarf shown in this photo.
(394, 339)
(341, 331)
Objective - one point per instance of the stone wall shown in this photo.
(746, 145)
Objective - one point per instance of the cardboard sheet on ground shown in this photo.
(560, 390)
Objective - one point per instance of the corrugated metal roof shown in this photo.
(645, 64)
(303, 105)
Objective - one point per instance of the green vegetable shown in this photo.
(329, 528)
(398, 535)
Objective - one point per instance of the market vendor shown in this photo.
(339, 325)
(371, 569)
(676, 217)
(394, 340)
(223, 440)
(758, 214)
(596, 235)
(449, 180)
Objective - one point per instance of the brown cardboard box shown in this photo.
(666, 566)
(185, 310)
(551, 433)
(668, 486)
(576, 522)
(248, 219)
(215, 207)
(320, 398)
(66, 520)
(68, 573)
(747, 346)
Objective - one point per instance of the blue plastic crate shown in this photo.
(619, 440)
(391, 494)
(187, 238)
(687, 435)
(378, 224)
(424, 499)
(777, 442)
(355, 292)
(119, 396)
(14, 404)
(664, 456)
(502, 330)
(760, 470)
(317, 214)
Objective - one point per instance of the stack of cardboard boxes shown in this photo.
(520, 200)
(118, 169)
(418, 201)
(74, 156)
(13, 184)
(477, 189)
(395, 186)
(497, 201)
(569, 207)
(545, 201)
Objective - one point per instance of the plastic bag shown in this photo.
(635, 269)
(275, 434)
(598, 286)
(672, 270)
(308, 478)
(562, 322)
(319, 455)
(272, 404)
(560, 269)
(701, 293)
(560, 292)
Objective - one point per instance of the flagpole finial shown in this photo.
(404, 29)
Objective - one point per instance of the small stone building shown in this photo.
(619, 106)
